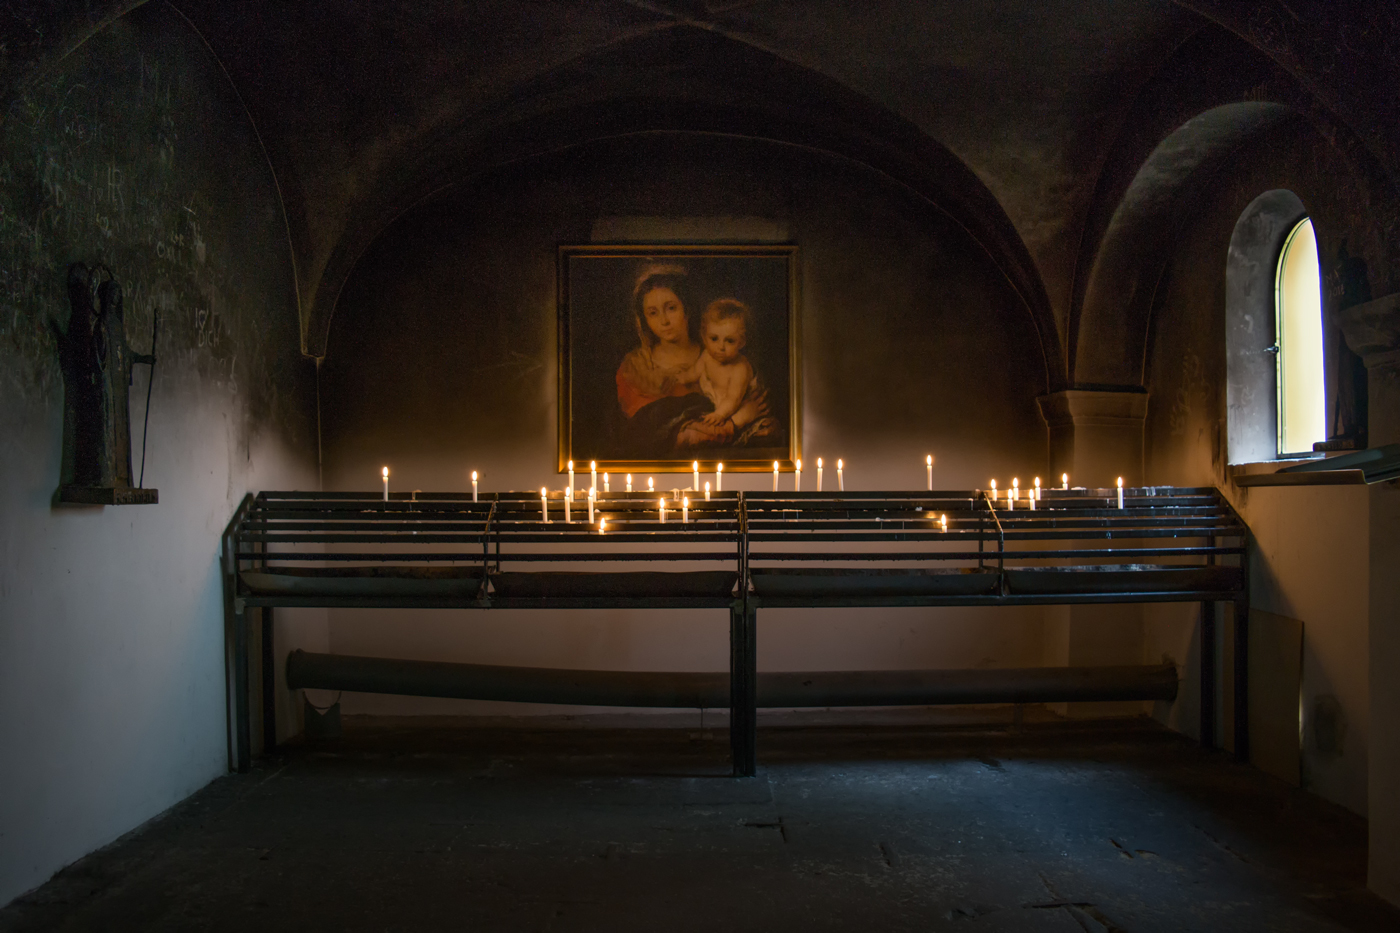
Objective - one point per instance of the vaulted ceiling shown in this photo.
(1028, 123)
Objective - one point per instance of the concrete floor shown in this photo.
(439, 824)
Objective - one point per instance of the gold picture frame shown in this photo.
(640, 392)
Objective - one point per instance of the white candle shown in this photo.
(385, 473)
(928, 463)
(593, 479)
(775, 476)
(1032, 498)
(473, 485)
(840, 476)
(651, 487)
(591, 494)
(1064, 480)
(719, 477)
(566, 508)
(994, 490)
(695, 468)
(1010, 502)
(819, 474)
(707, 490)
(685, 510)
(544, 504)
(570, 493)
(1120, 492)
(1037, 488)
(606, 487)
(1015, 487)
(797, 478)
(602, 526)
(629, 482)
(662, 507)
(944, 522)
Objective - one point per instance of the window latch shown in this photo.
(1273, 349)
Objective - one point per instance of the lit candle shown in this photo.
(606, 486)
(840, 476)
(662, 507)
(685, 510)
(651, 487)
(544, 504)
(1015, 487)
(1031, 497)
(385, 473)
(1037, 487)
(775, 476)
(570, 494)
(719, 477)
(1120, 492)
(819, 474)
(1010, 502)
(591, 494)
(593, 479)
(928, 462)
(629, 482)
(695, 468)
(797, 478)
(602, 526)
(994, 491)
(473, 485)
(707, 490)
(1064, 480)
(566, 507)
(944, 522)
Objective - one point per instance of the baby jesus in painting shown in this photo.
(721, 369)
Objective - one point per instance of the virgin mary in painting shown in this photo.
(667, 412)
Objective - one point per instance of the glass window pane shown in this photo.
(1301, 412)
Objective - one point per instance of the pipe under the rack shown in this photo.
(711, 690)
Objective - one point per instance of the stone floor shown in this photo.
(437, 824)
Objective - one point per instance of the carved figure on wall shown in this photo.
(97, 361)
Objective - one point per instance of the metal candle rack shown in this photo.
(737, 551)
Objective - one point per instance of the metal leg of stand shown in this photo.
(241, 712)
(1207, 675)
(743, 690)
(267, 675)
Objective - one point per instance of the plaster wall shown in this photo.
(1313, 552)
(442, 359)
(134, 152)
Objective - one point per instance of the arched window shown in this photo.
(1298, 332)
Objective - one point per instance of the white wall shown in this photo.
(133, 152)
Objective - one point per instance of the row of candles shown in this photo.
(1013, 494)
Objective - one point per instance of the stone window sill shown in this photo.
(1265, 473)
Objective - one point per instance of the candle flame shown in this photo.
(695, 465)
(719, 467)
(944, 522)
(651, 487)
(819, 463)
(1064, 478)
(602, 525)
(929, 460)
(1037, 482)
(571, 466)
(593, 464)
(799, 466)
(543, 492)
(1016, 481)
(473, 476)
(1120, 482)
(838, 463)
(385, 471)
(775, 466)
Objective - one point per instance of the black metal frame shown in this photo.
(736, 551)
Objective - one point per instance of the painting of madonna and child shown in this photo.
(678, 354)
